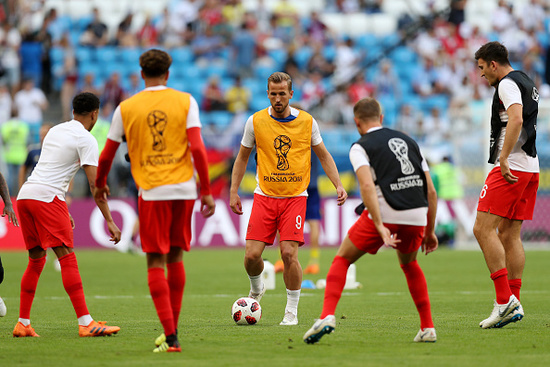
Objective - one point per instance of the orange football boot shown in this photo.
(21, 330)
(97, 329)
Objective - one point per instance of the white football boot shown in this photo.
(257, 296)
(426, 336)
(289, 319)
(500, 311)
(320, 328)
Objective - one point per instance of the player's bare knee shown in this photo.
(503, 237)
(288, 255)
(252, 256)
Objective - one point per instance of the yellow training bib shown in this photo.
(155, 125)
(284, 153)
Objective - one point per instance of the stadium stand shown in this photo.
(400, 31)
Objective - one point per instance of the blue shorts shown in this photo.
(313, 208)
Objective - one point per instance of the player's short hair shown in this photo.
(367, 109)
(493, 51)
(155, 63)
(84, 103)
(279, 77)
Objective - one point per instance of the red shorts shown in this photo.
(45, 224)
(165, 224)
(269, 215)
(365, 237)
(513, 201)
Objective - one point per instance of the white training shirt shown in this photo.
(249, 140)
(181, 191)
(509, 94)
(414, 217)
(67, 147)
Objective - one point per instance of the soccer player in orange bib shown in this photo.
(45, 219)
(284, 137)
(163, 132)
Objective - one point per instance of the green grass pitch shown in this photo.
(375, 324)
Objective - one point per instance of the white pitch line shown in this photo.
(281, 294)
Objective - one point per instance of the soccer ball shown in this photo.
(246, 311)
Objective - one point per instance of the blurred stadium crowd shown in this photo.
(417, 59)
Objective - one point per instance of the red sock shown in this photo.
(502, 288)
(515, 286)
(176, 283)
(73, 283)
(28, 286)
(419, 292)
(336, 280)
(158, 287)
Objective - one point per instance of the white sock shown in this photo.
(255, 283)
(292, 299)
(85, 320)
(25, 322)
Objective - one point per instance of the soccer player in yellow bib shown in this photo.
(163, 132)
(284, 137)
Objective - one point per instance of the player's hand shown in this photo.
(8, 212)
(72, 221)
(114, 231)
(506, 173)
(208, 206)
(342, 195)
(429, 243)
(101, 193)
(389, 239)
(235, 204)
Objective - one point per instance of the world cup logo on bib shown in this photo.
(282, 145)
(157, 123)
(401, 151)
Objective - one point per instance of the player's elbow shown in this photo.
(431, 191)
(366, 187)
(194, 149)
(432, 194)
